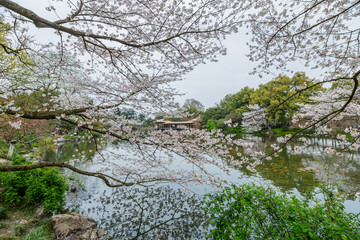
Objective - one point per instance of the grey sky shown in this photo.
(210, 82)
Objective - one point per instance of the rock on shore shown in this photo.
(76, 227)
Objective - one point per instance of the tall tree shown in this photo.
(237, 104)
(191, 107)
(321, 34)
(111, 54)
(190, 102)
(274, 96)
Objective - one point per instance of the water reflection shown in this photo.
(67, 151)
(308, 169)
(166, 212)
(288, 173)
(143, 213)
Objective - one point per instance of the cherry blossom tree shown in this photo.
(102, 55)
(126, 54)
(323, 35)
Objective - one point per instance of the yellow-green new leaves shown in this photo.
(279, 97)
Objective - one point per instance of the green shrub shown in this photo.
(34, 187)
(210, 125)
(43, 232)
(3, 213)
(19, 230)
(3, 225)
(253, 212)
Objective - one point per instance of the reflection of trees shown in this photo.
(284, 171)
(165, 213)
(72, 150)
(287, 172)
(341, 171)
(146, 213)
(306, 170)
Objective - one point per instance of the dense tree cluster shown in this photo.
(278, 98)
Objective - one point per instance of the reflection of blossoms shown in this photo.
(354, 132)
(306, 141)
(329, 150)
(341, 137)
(297, 149)
(317, 153)
(15, 125)
(250, 168)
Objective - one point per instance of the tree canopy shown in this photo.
(100, 55)
(278, 97)
(275, 95)
(236, 104)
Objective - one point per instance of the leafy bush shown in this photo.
(43, 232)
(253, 212)
(34, 187)
(19, 230)
(4, 148)
(3, 213)
(210, 125)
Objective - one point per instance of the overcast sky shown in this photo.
(210, 82)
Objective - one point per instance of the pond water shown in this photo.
(166, 211)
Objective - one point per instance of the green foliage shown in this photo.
(192, 107)
(210, 125)
(273, 93)
(64, 125)
(45, 145)
(8, 238)
(34, 187)
(4, 148)
(232, 102)
(269, 96)
(253, 212)
(191, 110)
(3, 213)
(43, 232)
(236, 104)
(220, 123)
(214, 113)
(19, 230)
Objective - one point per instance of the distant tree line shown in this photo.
(278, 97)
(270, 96)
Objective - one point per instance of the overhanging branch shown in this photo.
(106, 178)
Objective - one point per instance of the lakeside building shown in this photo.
(163, 124)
